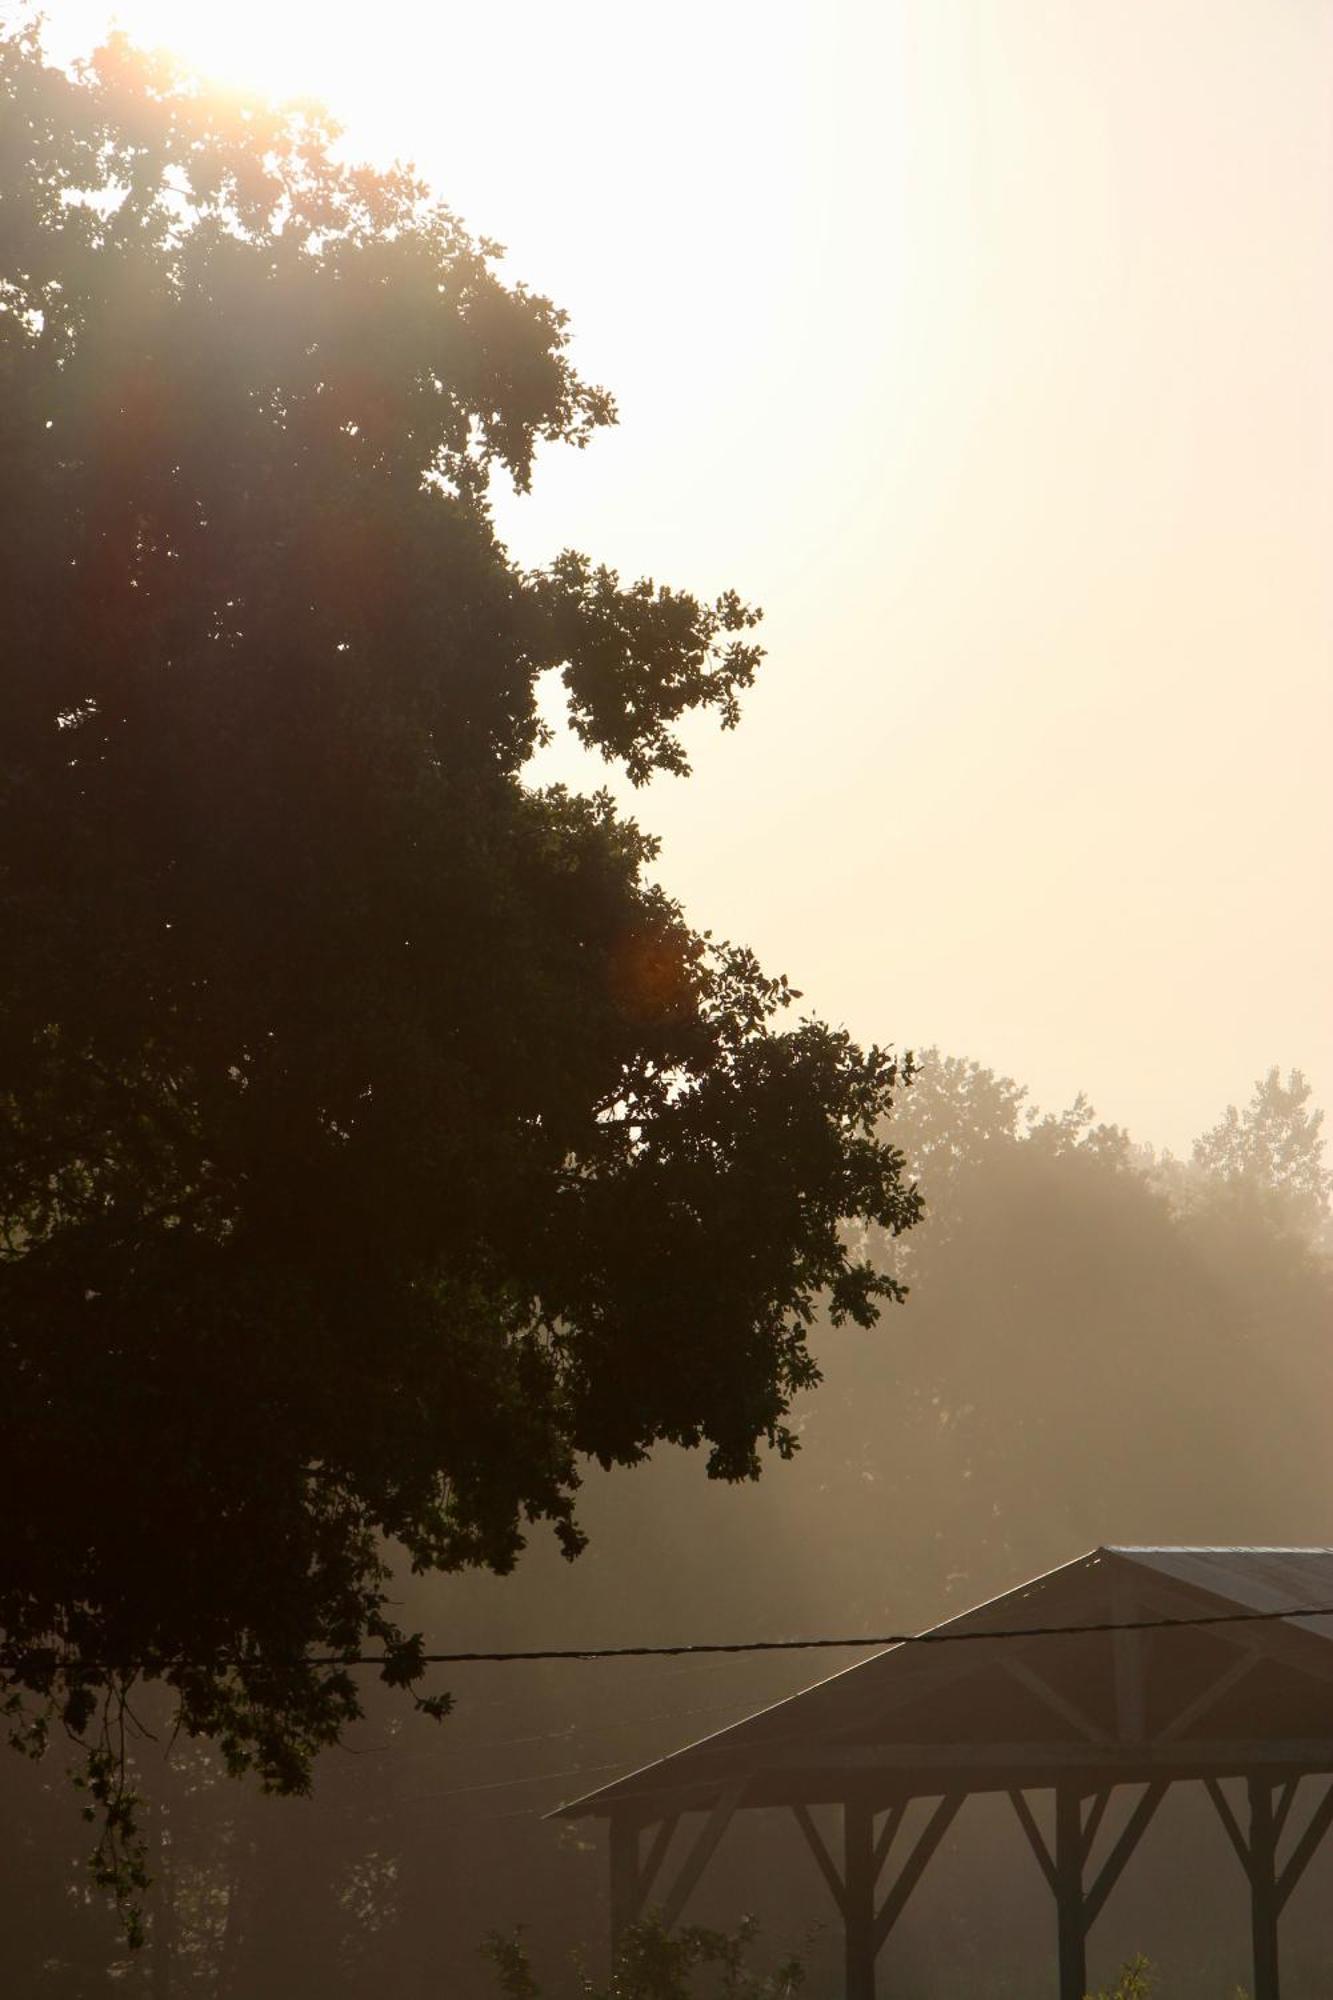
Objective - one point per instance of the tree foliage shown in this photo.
(378, 1139)
(1271, 1154)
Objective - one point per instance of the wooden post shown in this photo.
(1076, 1908)
(1071, 1921)
(858, 1918)
(624, 1832)
(1264, 1904)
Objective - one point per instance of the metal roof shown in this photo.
(1258, 1579)
(915, 1709)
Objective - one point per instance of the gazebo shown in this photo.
(1242, 1706)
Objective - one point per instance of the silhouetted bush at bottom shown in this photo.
(653, 1964)
(1135, 1982)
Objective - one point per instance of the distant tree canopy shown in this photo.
(376, 1139)
(1104, 1343)
(1270, 1155)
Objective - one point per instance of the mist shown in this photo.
(1102, 1344)
(985, 345)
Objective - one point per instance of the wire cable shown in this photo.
(867, 1643)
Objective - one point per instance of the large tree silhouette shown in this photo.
(377, 1139)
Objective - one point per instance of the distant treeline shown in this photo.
(1101, 1344)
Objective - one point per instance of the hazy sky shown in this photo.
(986, 343)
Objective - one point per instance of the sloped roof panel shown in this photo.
(898, 1696)
(1259, 1579)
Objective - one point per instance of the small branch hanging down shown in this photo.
(119, 1861)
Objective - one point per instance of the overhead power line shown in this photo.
(868, 1642)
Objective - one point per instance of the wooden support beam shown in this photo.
(828, 1868)
(1257, 1850)
(1116, 1763)
(631, 1878)
(1264, 1905)
(1029, 1825)
(1113, 1866)
(656, 1856)
(1071, 1927)
(1303, 1852)
(1208, 1697)
(1229, 1821)
(893, 1819)
(1096, 1813)
(1059, 1704)
(858, 1915)
(702, 1852)
(624, 1843)
(914, 1867)
(1286, 1799)
(1077, 1909)
(865, 1928)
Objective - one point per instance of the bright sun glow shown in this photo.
(400, 75)
(986, 346)
(289, 50)
(559, 134)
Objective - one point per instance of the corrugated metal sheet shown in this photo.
(1255, 1579)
